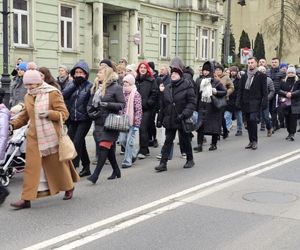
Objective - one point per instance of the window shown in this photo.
(212, 43)
(204, 44)
(197, 43)
(66, 27)
(163, 40)
(20, 22)
(140, 32)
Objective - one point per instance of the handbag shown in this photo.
(285, 102)
(189, 124)
(117, 122)
(219, 102)
(66, 148)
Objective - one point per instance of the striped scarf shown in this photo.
(46, 133)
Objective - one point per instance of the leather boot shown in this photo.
(85, 172)
(103, 153)
(189, 164)
(21, 204)
(69, 194)
(161, 167)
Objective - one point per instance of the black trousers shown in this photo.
(290, 121)
(152, 128)
(144, 128)
(252, 119)
(274, 112)
(200, 137)
(77, 132)
(184, 142)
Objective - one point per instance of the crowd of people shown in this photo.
(168, 99)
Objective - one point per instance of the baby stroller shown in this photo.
(14, 158)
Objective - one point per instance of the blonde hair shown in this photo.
(109, 76)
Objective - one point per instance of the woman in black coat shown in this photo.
(211, 116)
(178, 102)
(148, 89)
(105, 99)
(289, 101)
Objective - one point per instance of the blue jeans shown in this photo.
(266, 118)
(228, 119)
(239, 120)
(127, 140)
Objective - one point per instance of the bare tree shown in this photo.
(283, 23)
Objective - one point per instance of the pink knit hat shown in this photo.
(130, 79)
(32, 77)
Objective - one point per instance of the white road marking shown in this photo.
(230, 180)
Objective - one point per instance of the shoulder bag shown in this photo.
(190, 124)
(66, 148)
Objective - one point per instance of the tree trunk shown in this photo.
(282, 16)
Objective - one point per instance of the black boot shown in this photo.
(198, 148)
(85, 171)
(161, 167)
(100, 163)
(212, 147)
(189, 164)
(115, 174)
(3, 194)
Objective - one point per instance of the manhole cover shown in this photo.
(270, 197)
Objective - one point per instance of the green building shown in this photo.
(62, 32)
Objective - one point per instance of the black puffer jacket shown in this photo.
(148, 90)
(276, 75)
(182, 94)
(116, 102)
(77, 96)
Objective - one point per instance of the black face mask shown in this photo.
(79, 80)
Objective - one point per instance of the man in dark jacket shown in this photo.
(77, 95)
(276, 75)
(252, 97)
(177, 103)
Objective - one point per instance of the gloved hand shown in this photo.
(43, 114)
(158, 124)
(179, 118)
(10, 129)
(104, 104)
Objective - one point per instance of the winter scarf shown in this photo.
(206, 89)
(250, 74)
(97, 97)
(46, 133)
(130, 103)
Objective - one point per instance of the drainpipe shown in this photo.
(177, 29)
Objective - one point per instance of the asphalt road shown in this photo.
(247, 211)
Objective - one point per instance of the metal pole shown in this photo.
(177, 29)
(5, 80)
(227, 33)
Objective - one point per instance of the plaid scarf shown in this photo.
(46, 133)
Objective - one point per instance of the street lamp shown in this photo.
(5, 79)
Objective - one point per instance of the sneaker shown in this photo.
(141, 156)
(183, 155)
(212, 147)
(158, 157)
(126, 166)
(198, 149)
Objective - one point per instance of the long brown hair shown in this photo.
(48, 78)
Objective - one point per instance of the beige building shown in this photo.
(63, 31)
(251, 18)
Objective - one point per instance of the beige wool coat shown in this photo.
(60, 175)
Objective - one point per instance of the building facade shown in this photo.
(62, 32)
(252, 18)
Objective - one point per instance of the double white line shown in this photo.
(126, 219)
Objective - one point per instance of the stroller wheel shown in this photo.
(4, 180)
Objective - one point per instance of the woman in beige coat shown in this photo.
(43, 107)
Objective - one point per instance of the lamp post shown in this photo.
(5, 79)
(227, 33)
